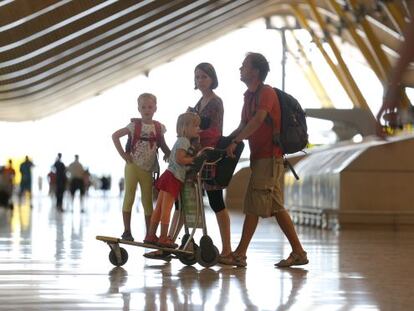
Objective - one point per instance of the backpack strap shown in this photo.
(276, 132)
(158, 134)
(269, 119)
(137, 130)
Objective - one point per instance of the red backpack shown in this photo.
(137, 135)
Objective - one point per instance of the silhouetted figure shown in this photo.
(60, 171)
(51, 178)
(105, 184)
(26, 180)
(5, 189)
(87, 180)
(10, 173)
(40, 183)
(121, 185)
(76, 180)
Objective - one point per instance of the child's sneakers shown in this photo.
(167, 242)
(127, 236)
(151, 239)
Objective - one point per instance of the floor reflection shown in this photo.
(189, 288)
(52, 261)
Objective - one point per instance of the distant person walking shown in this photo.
(26, 180)
(5, 189)
(51, 178)
(76, 174)
(121, 185)
(60, 171)
(10, 173)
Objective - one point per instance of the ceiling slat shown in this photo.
(55, 53)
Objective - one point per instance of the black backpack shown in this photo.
(293, 136)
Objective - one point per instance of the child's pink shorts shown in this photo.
(168, 183)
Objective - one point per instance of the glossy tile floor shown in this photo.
(52, 261)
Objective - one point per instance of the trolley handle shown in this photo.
(207, 156)
(212, 155)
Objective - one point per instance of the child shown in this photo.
(140, 155)
(170, 182)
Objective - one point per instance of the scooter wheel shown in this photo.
(207, 253)
(114, 260)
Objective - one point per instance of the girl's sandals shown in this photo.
(167, 242)
(294, 259)
(151, 239)
(127, 236)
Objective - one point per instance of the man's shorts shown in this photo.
(264, 195)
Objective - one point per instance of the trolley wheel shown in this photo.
(207, 253)
(188, 260)
(114, 260)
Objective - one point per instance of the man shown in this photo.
(26, 181)
(264, 196)
(10, 172)
(77, 175)
(5, 189)
(60, 171)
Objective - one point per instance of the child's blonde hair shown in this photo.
(148, 96)
(184, 121)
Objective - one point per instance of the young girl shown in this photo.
(171, 181)
(140, 156)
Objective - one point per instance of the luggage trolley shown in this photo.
(191, 213)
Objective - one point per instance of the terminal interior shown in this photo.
(352, 206)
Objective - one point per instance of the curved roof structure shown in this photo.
(55, 53)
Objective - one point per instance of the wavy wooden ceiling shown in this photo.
(54, 54)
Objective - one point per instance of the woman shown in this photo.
(210, 109)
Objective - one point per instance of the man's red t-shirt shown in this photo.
(260, 142)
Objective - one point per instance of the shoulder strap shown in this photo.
(137, 130)
(275, 130)
(158, 134)
(269, 118)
